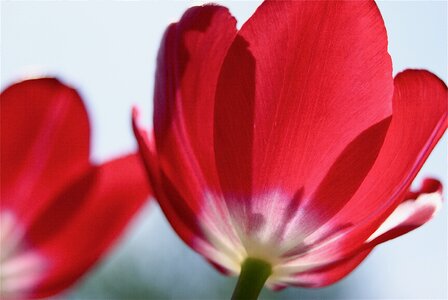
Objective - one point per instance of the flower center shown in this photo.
(266, 228)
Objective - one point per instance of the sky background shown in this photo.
(107, 51)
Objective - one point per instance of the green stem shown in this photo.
(254, 273)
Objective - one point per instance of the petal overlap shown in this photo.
(419, 121)
(183, 122)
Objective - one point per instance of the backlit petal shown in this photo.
(418, 122)
(301, 81)
(190, 56)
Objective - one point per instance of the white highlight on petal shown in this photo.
(267, 228)
(411, 212)
(20, 267)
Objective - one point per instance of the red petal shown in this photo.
(301, 81)
(190, 56)
(179, 214)
(419, 120)
(409, 215)
(86, 219)
(45, 143)
(189, 60)
(344, 177)
(416, 209)
(329, 274)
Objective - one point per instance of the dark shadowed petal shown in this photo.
(44, 144)
(85, 220)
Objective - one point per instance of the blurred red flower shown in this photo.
(288, 140)
(59, 212)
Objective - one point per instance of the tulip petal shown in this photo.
(189, 60)
(416, 209)
(86, 219)
(419, 121)
(190, 56)
(45, 143)
(329, 274)
(181, 217)
(301, 81)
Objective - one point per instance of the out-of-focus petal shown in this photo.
(44, 144)
(301, 81)
(85, 220)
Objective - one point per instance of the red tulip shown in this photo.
(288, 141)
(59, 212)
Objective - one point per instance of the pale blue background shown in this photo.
(107, 50)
